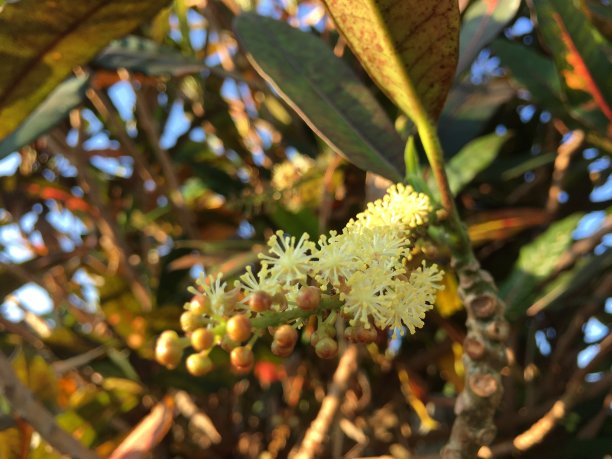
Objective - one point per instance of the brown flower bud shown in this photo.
(350, 334)
(279, 350)
(327, 348)
(286, 336)
(238, 328)
(202, 339)
(242, 359)
(365, 335)
(260, 301)
(309, 298)
(198, 364)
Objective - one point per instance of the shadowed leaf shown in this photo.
(325, 93)
(41, 42)
(483, 20)
(409, 47)
(138, 54)
(55, 108)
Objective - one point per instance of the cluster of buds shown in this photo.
(363, 275)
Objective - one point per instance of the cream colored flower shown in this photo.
(288, 260)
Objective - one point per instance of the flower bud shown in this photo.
(365, 335)
(198, 364)
(242, 359)
(199, 304)
(281, 351)
(168, 350)
(202, 339)
(238, 328)
(190, 321)
(350, 334)
(260, 301)
(327, 348)
(286, 336)
(227, 344)
(309, 298)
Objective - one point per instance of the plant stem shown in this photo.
(273, 319)
(484, 350)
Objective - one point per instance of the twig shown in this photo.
(562, 161)
(24, 406)
(106, 223)
(316, 433)
(541, 428)
(197, 418)
(173, 187)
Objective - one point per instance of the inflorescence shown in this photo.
(361, 274)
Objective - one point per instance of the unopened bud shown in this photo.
(198, 364)
(309, 298)
(168, 350)
(202, 339)
(260, 301)
(281, 351)
(286, 336)
(199, 304)
(242, 359)
(327, 348)
(238, 328)
(190, 321)
(365, 335)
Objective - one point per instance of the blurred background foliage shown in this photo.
(138, 161)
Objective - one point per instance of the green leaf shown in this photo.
(534, 72)
(54, 108)
(145, 56)
(600, 15)
(468, 109)
(41, 42)
(582, 57)
(409, 47)
(536, 261)
(481, 23)
(325, 92)
(475, 157)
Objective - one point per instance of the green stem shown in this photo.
(273, 318)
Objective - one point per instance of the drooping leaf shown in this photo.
(324, 92)
(581, 55)
(54, 108)
(41, 42)
(475, 157)
(409, 47)
(536, 261)
(480, 24)
(468, 109)
(148, 433)
(139, 54)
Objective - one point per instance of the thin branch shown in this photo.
(541, 428)
(111, 235)
(173, 187)
(562, 161)
(24, 406)
(316, 433)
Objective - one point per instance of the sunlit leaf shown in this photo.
(536, 261)
(498, 225)
(409, 47)
(475, 157)
(325, 93)
(51, 111)
(483, 20)
(41, 42)
(581, 55)
(10, 443)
